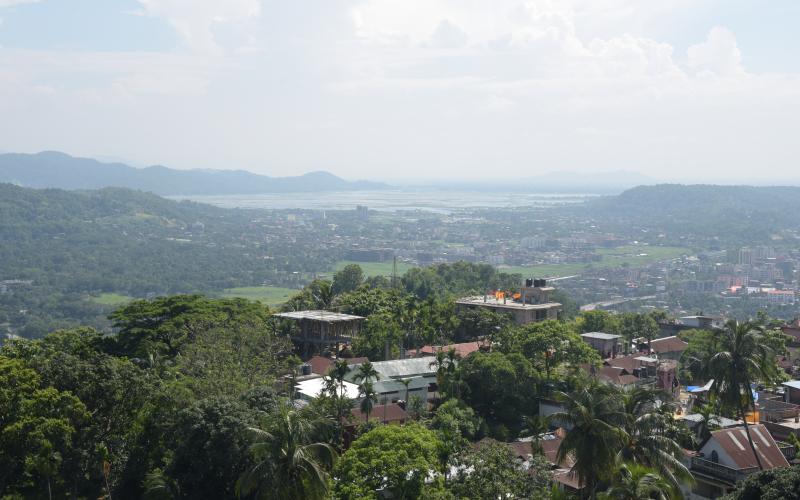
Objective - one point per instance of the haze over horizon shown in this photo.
(411, 91)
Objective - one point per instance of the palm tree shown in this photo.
(338, 372)
(646, 442)
(743, 357)
(322, 294)
(637, 482)
(334, 386)
(439, 362)
(594, 413)
(534, 426)
(452, 374)
(366, 373)
(290, 463)
(370, 397)
(406, 382)
(708, 424)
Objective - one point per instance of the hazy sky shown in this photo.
(705, 90)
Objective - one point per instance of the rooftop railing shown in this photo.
(719, 471)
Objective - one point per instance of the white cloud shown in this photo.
(422, 87)
(197, 20)
(9, 3)
(448, 35)
(718, 54)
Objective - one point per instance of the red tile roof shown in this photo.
(793, 332)
(463, 350)
(627, 362)
(734, 441)
(320, 365)
(668, 344)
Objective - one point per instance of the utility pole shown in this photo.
(394, 272)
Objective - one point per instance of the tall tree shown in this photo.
(638, 482)
(646, 440)
(348, 279)
(368, 398)
(396, 459)
(743, 359)
(366, 372)
(336, 375)
(597, 433)
(493, 472)
(290, 462)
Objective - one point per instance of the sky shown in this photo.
(677, 90)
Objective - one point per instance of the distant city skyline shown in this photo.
(412, 91)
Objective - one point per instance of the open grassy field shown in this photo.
(631, 255)
(269, 295)
(111, 299)
(544, 270)
(376, 268)
(638, 255)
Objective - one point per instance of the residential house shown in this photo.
(726, 458)
(321, 364)
(463, 349)
(668, 347)
(792, 391)
(420, 371)
(607, 344)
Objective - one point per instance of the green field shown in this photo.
(269, 295)
(376, 268)
(631, 255)
(111, 299)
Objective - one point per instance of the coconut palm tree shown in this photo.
(637, 482)
(594, 414)
(534, 426)
(406, 382)
(708, 423)
(366, 373)
(440, 363)
(290, 463)
(742, 359)
(338, 372)
(369, 398)
(334, 387)
(322, 294)
(646, 441)
(452, 374)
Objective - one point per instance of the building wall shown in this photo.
(793, 395)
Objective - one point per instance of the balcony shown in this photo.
(722, 472)
(788, 450)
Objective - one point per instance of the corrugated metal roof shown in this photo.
(401, 368)
(601, 335)
(735, 443)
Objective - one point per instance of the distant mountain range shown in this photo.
(52, 169)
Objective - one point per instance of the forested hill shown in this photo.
(73, 245)
(678, 199)
(736, 214)
(52, 169)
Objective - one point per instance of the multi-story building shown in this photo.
(531, 304)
